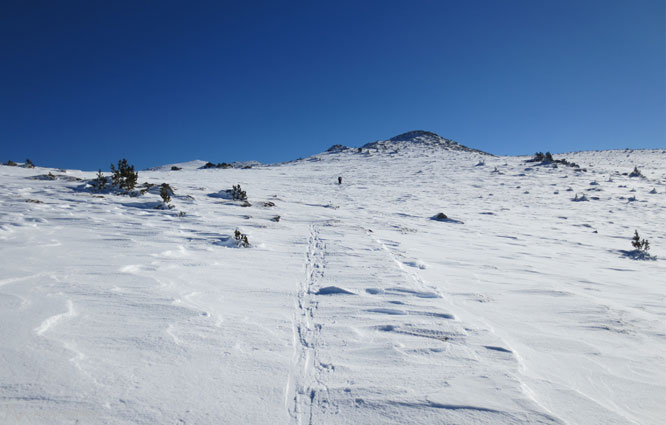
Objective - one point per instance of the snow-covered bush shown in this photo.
(10, 163)
(238, 194)
(636, 173)
(165, 192)
(547, 159)
(29, 164)
(241, 239)
(224, 165)
(124, 176)
(541, 157)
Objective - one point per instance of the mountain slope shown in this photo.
(354, 307)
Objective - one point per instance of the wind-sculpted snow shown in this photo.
(360, 305)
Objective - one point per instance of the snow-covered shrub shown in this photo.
(174, 168)
(241, 239)
(581, 198)
(124, 176)
(29, 164)
(238, 194)
(221, 165)
(165, 192)
(541, 157)
(636, 173)
(547, 159)
(10, 163)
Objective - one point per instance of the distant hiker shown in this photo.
(339, 180)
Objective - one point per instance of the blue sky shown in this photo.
(85, 83)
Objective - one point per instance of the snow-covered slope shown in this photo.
(198, 164)
(354, 307)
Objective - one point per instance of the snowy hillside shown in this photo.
(352, 305)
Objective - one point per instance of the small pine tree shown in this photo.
(636, 241)
(100, 182)
(124, 176)
(165, 192)
(29, 164)
(640, 244)
(238, 194)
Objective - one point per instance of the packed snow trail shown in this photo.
(383, 319)
(303, 379)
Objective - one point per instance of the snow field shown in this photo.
(354, 308)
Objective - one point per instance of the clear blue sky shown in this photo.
(84, 83)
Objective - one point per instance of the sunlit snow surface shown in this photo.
(354, 308)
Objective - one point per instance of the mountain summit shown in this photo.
(419, 137)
